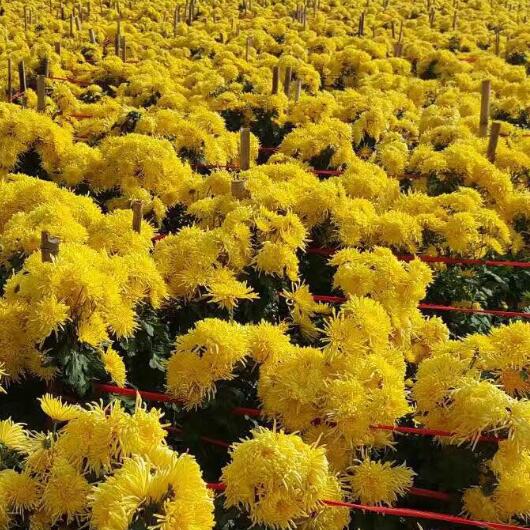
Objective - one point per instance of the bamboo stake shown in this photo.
(41, 93)
(455, 19)
(287, 80)
(92, 36)
(275, 80)
(244, 149)
(400, 39)
(137, 208)
(49, 247)
(494, 140)
(393, 29)
(77, 23)
(484, 107)
(22, 83)
(71, 25)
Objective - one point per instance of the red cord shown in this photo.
(324, 251)
(256, 413)
(436, 307)
(206, 439)
(431, 432)
(403, 512)
(420, 514)
(16, 96)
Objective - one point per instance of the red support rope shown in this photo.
(324, 251)
(404, 512)
(417, 492)
(256, 413)
(435, 307)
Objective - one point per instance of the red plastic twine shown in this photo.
(256, 413)
(435, 307)
(403, 512)
(420, 514)
(324, 251)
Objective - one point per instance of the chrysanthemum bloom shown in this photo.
(329, 517)
(276, 477)
(379, 482)
(20, 490)
(114, 366)
(268, 342)
(175, 485)
(207, 353)
(292, 389)
(13, 435)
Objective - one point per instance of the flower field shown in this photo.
(264, 264)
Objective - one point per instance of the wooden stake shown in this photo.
(497, 41)
(45, 67)
(298, 91)
(176, 20)
(92, 36)
(123, 49)
(57, 47)
(484, 107)
(493, 141)
(244, 149)
(287, 80)
(238, 189)
(41, 93)
(398, 49)
(247, 48)
(138, 213)
(432, 13)
(455, 18)
(117, 39)
(49, 247)
(361, 25)
(400, 39)
(71, 25)
(77, 23)
(88, 10)
(275, 80)
(23, 86)
(9, 79)
(393, 29)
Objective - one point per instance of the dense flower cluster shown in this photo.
(102, 466)
(180, 260)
